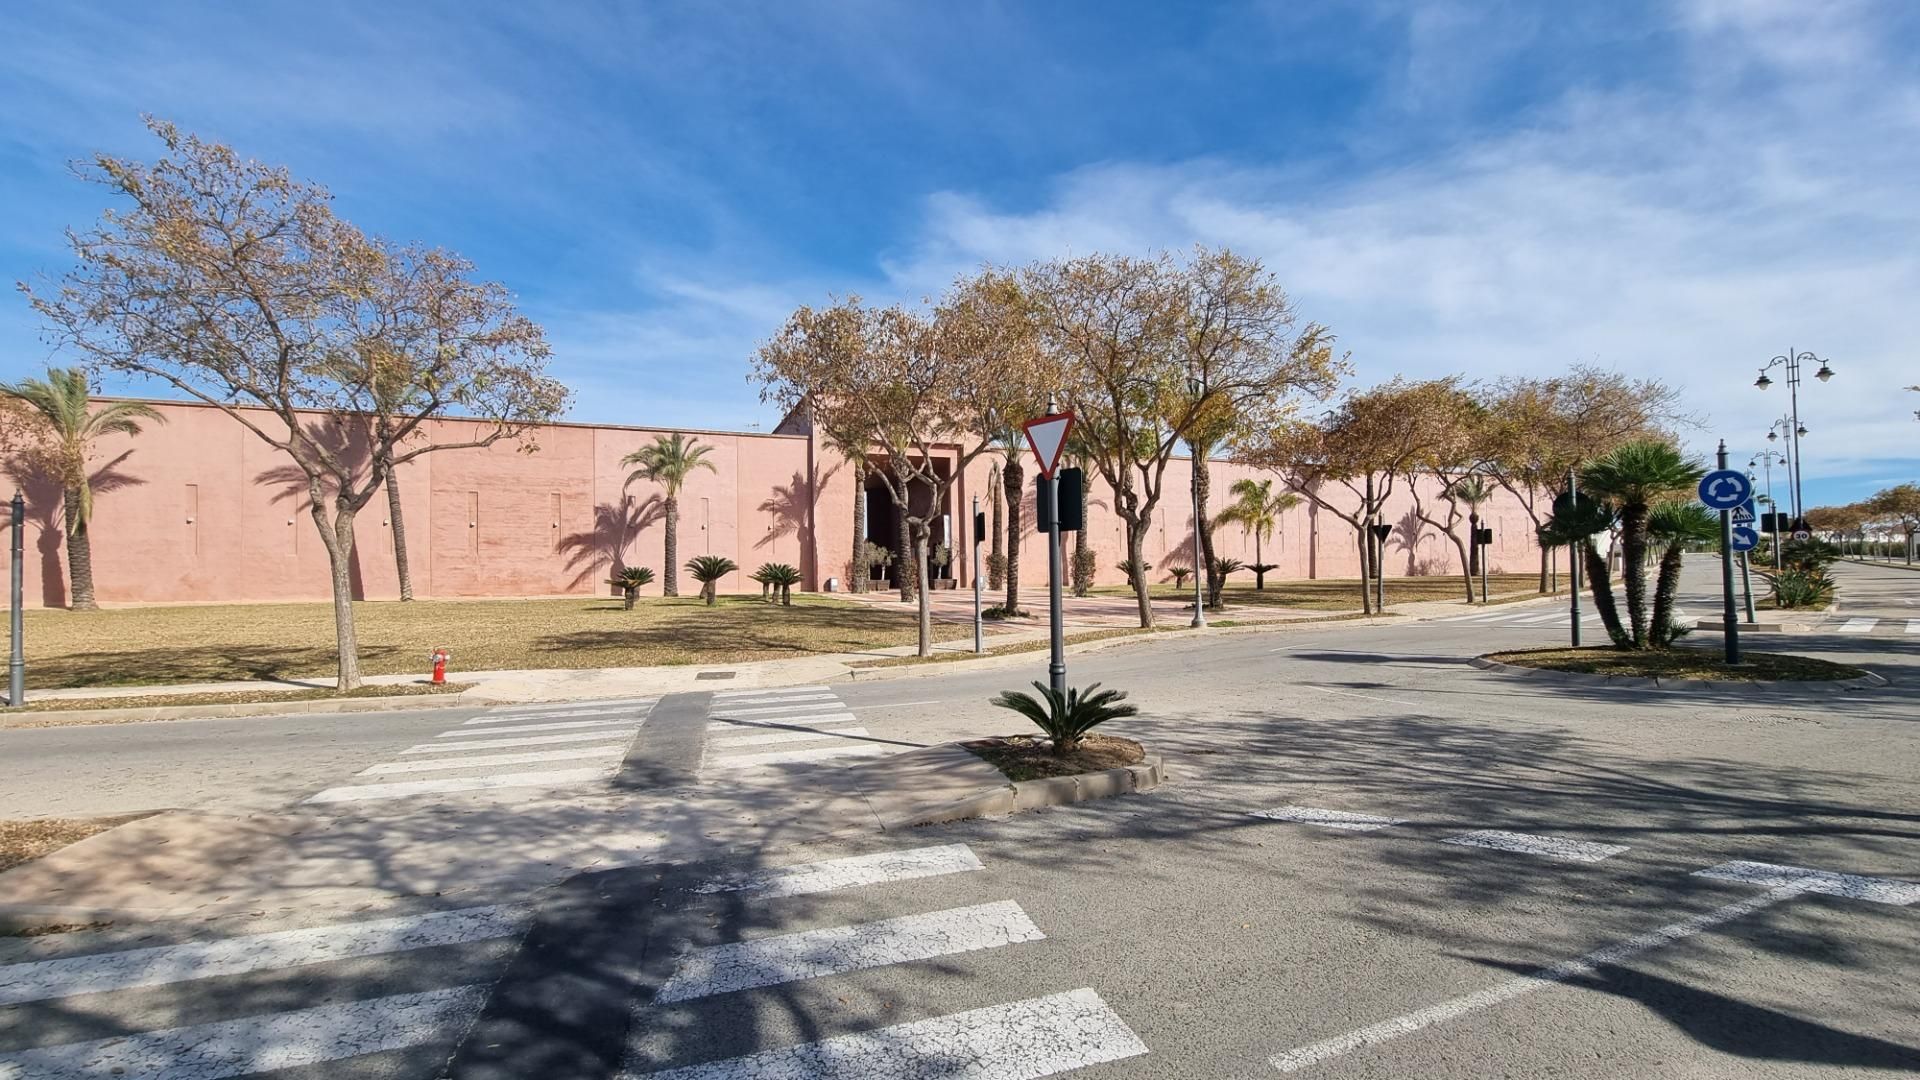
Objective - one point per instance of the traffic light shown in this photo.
(1071, 520)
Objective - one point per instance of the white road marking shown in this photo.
(604, 703)
(1549, 617)
(447, 784)
(619, 712)
(769, 723)
(899, 704)
(1022, 1040)
(1313, 1054)
(1913, 626)
(518, 740)
(1369, 697)
(257, 1044)
(1330, 819)
(1553, 847)
(813, 954)
(530, 757)
(1295, 645)
(97, 973)
(559, 725)
(1851, 886)
(772, 737)
(784, 757)
(793, 699)
(1478, 616)
(1858, 626)
(857, 870)
(801, 707)
(722, 695)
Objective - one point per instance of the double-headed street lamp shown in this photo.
(1793, 360)
(1764, 460)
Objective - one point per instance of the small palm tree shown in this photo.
(1635, 477)
(780, 576)
(1257, 510)
(708, 570)
(1066, 717)
(1473, 490)
(668, 462)
(1679, 524)
(629, 581)
(62, 400)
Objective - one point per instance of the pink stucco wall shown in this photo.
(200, 509)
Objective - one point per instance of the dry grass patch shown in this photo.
(1682, 663)
(1343, 594)
(211, 643)
(1031, 757)
(22, 841)
(48, 713)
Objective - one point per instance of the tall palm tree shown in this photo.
(668, 462)
(1676, 523)
(855, 455)
(1256, 509)
(62, 401)
(1472, 489)
(1635, 477)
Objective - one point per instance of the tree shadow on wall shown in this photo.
(791, 504)
(46, 512)
(290, 483)
(602, 550)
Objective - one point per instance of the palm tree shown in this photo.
(855, 455)
(1471, 489)
(708, 570)
(1256, 509)
(668, 462)
(1635, 477)
(1677, 523)
(62, 401)
(1589, 518)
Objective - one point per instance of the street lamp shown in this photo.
(1792, 360)
(1194, 388)
(1765, 459)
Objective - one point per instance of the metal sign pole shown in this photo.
(1729, 618)
(16, 626)
(979, 631)
(1746, 586)
(1057, 658)
(1573, 561)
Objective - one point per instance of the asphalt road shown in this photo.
(1459, 874)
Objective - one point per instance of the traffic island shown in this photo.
(1682, 667)
(1100, 767)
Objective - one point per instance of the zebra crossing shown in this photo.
(752, 729)
(1869, 624)
(524, 747)
(1023, 1039)
(370, 998)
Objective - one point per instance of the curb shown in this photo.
(1015, 797)
(1867, 681)
(254, 708)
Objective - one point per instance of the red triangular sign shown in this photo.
(1048, 436)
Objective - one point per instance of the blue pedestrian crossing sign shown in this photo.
(1743, 514)
(1745, 539)
(1724, 489)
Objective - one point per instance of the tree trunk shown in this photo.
(1137, 558)
(1010, 482)
(996, 566)
(858, 575)
(399, 523)
(628, 597)
(920, 533)
(1633, 570)
(1466, 554)
(670, 553)
(337, 538)
(79, 557)
(1202, 487)
(1259, 575)
(909, 579)
(1600, 580)
(1546, 571)
(1663, 589)
(1366, 568)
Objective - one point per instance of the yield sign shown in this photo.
(1047, 436)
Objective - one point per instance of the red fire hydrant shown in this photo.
(440, 657)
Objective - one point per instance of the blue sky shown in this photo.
(1678, 189)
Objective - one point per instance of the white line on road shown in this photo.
(787, 699)
(773, 737)
(1851, 886)
(445, 785)
(817, 877)
(530, 757)
(97, 973)
(609, 703)
(257, 1044)
(1913, 626)
(1369, 697)
(772, 691)
(561, 725)
(1022, 1040)
(1314, 1053)
(899, 704)
(635, 714)
(798, 707)
(772, 723)
(813, 954)
(1295, 645)
(518, 740)
(786, 757)
(1553, 847)
(1858, 626)
(1330, 819)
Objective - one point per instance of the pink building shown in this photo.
(200, 509)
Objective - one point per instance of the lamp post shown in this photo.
(16, 653)
(1792, 361)
(1199, 559)
(1765, 460)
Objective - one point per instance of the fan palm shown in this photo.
(629, 581)
(668, 462)
(62, 400)
(708, 570)
(1635, 477)
(1256, 509)
(1677, 523)
(1472, 490)
(1066, 717)
(780, 576)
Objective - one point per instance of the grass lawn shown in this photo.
(217, 642)
(1337, 594)
(1680, 663)
(23, 841)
